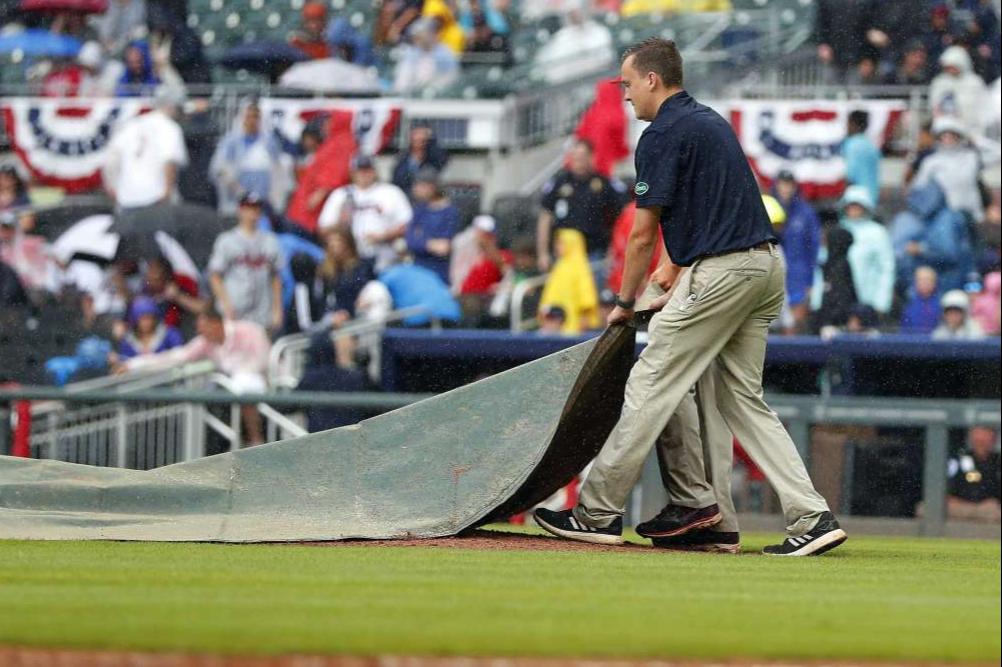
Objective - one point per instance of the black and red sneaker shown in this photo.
(676, 520)
(702, 539)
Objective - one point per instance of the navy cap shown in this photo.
(362, 161)
(250, 198)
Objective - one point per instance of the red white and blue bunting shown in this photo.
(63, 142)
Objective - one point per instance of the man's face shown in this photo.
(156, 277)
(579, 160)
(915, 60)
(982, 442)
(252, 121)
(420, 136)
(364, 177)
(424, 191)
(951, 70)
(7, 233)
(638, 89)
(211, 329)
(954, 318)
(314, 28)
(925, 282)
(248, 215)
(786, 189)
(948, 139)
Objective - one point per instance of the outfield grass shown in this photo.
(894, 599)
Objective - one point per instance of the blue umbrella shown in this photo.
(37, 42)
(267, 57)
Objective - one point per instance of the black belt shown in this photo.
(764, 245)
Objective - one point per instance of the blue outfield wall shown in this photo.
(889, 365)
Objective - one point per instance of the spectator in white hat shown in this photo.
(957, 91)
(956, 323)
(954, 165)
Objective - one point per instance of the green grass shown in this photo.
(895, 599)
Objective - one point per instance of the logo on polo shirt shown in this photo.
(641, 188)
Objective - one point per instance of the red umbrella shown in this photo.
(82, 6)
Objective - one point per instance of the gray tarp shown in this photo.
(431, 469)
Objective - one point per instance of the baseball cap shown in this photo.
(427, 175)
(786, 175)
(250, 198)
(955, 298)
(362, 161)
(314, 10)
(945, 124)
(485, 223)
(554, 312)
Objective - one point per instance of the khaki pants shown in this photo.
(721, 310)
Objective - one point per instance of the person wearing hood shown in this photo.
(957, 323)
(871, 255)
(604, 126)
(800, 237)
(836, 288)
(986, 306)
(245, 160)
(957, 91)
(930, 233)
(955, 165)
(139, 78)
(921, 311)
(147, 334)
(348, 44)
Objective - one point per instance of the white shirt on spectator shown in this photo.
(575, 51)
(138, 156)
(963, 96)
(378, 209)
(243, 355)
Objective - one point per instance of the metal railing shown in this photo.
(518, 322)
(125, 432)
(288, 354)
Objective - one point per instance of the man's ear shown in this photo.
(652, 80)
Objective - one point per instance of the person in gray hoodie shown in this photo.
(957, 91)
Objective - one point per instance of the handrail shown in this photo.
(273, 416)
(301, 341)
(518, 299)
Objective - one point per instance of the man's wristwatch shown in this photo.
(625, 305)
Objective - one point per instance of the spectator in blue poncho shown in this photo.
(140, 79)
(871, 255)
(800, 237)
(350, 45)
(921, 312)
(435, 222)
(147, 334)
(929, 233)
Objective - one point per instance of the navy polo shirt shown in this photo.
(689, 163)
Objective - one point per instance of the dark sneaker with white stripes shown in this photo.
(565, 524)
(676, 520)
(825, 536)
(702, 539)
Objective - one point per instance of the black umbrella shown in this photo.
(194, 227)
(266, 57)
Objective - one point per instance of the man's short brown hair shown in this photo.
(660, 56)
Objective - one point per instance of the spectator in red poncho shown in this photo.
(327, 171)
(604, 126)
(617, 249)
(310, 38)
